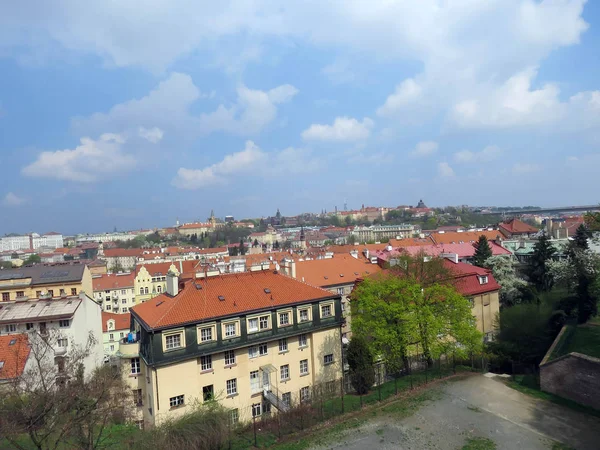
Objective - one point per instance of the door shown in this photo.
(266, 383)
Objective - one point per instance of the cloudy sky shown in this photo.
(133, 114)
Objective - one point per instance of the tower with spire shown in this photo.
(302, 238)
(212, 219)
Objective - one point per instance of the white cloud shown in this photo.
(521, 168)
(252, 161)
(167, 108)
(12, 199)
(489, 153)
(445, 171)
(344, 129)
(90, 161)
(425, 148)
(153, 135)
(405, 95)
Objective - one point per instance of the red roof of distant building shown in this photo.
(122, 321)
(467, 278)
(515, 226)
(340, 269)
(113, 281)
(123, 252)
(241, 293)
(52, 233)
(464, 250)
(14, 351)
(206, 251)
(193, 226)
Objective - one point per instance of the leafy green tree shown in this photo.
(348, 220)
(194, 238)
(154, 238)
(586, 268)
(592, 220)
(483, 251)
(360, 360)
(242, 247)
(539, 270)
(511, 286)
(32, 259)
(5, 265)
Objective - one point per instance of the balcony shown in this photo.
(129, 350)
(60, 351)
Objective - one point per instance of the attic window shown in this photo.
(159, 303)
(221, 298)
(355, 273)
(326, 277)
(12, 342)
(1, 364)
(483, 279)
(341, 275)
(267, 291)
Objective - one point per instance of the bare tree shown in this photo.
(53, 404)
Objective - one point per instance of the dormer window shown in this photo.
(483, 279)
(111, 325)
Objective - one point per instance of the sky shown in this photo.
(134, 114)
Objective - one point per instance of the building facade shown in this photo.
(380, 232)
(115, 292)
(32, 241)
(115, 328)
(256, 342)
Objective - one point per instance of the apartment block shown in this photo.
(115, 292)
(255, 341)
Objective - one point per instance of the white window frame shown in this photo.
(288, 313)
(264, 323)
(231, 386)
(328, 359)
(331, 310)
(228, 335)
(304, 370)
(303, 340)
(229, 357)
(177, 401)
(283, 345)
(253, 351)
(253, 325)
(304, 310)
(206, 363)
(62, 342)
(304, 394)
(136, 365)
(234, 416)
(206, 334)
(175, 338)
(284, 372)
(64, 323)
(254, 382)
(256, 409)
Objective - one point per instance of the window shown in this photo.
(234, 416)
(62, 342)
(124, 310)
(111, 337)
(304, 315)
(264, 322)
(174, 402)
(302, 340)
(135, 366)
(122, 291)
(328, 359)
(304, 394)
(108, 307)
(254, 384)
(284, 319)
(252, 325)
(283, 345)
(208, 393)
(472, 301)
(73, 291)
(286, 398)
(6, 296)
(62, 292)
(256, 410)
(140, 424)
(343, 306)
(232, 386)
(173, 341)
(11, 328)
(483, 279)
(22, 294)
(64, 323)
(229, 357)
(230, 329)
(112, 348)
(304, 367)
(29, 326)
(253, 351)
(206, 334)
(159, 289)
(137, 397)
(284, 372)
(38, 294)
(51, 292)
(263, 349)
(121, 334)
(124, 301)
(141, 291)
(326, 311)
(340, 291)
(206, 362)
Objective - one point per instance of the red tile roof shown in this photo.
(113, 281)
(242, 293)
(340, 269)
(160, 269)
(122, 252)
(464, 250)
(13, 356)
(122, 321)
(193, 226)
(456, 237)
(515, 226)
(467, 279)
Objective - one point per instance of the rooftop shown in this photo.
(463, 250)
(122, 321)
(226, 295)
(467, 279)
(42, 274)
(113, 281)
(515, 226)
(14, 351)
(341, 269)
(456, 237)
(33, 310)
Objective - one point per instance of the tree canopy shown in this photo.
(483, 251)
(539, 271)
(503, 269)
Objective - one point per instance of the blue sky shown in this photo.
(133, 114)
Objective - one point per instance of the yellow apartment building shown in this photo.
(255, 341)
(53, 280)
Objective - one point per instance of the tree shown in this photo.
(592, 220)
(255, 244)
(539, 270)
(242, 247)
(234, 251)
(511, 286)
(276, 245)
(32, 259)
(194, 238)
(586, 266)
(351, 239)
(54, 405)
(348, 220)
(483, 251)
(413, 309)
(360, 360)
(580, 240)
(154, 238)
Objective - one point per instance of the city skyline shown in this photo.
(244, 109)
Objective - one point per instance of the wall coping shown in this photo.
(571, 355)
(553, 346)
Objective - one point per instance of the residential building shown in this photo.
(197, 228)
(32, 241)
(464, 252)
(514, 228)
(338, 275)
(14, 357)
(562, 228)
(69, 322)
(252, 341)
(267, 238)
(381, 232)
(115, 328)
(151, 279)
(104, 237)
(55, 280)
(461, 237)
(115, 292)
(120, 259)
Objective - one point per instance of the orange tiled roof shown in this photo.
(193, 226)
(455, 237)
(410, 242)
(515, 226)
(122, 252)
(122, 321)
(340, 269)
(189, 268)
(206, 251)
(242, 293)
(113, 281)
(14, 351)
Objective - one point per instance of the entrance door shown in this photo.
(266, 382)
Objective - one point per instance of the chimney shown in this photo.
(172, 284)
(293, 268)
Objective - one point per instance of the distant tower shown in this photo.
(177, 223)
(421, 204)
(212, 219)
(302, 238)
(345, 205)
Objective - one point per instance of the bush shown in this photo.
(360, 360)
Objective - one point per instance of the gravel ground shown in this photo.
(478, 406)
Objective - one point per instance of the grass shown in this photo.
(479, 443)
(525, 385)
(561, 446)
(580, 339)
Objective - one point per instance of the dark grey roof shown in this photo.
(46, 274)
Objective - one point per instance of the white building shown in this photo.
(104, 237)
(115, 328)
(115, 292)
(34, 241)
(379, 232)
(71, 321)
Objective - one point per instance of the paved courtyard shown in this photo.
(477, 406)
